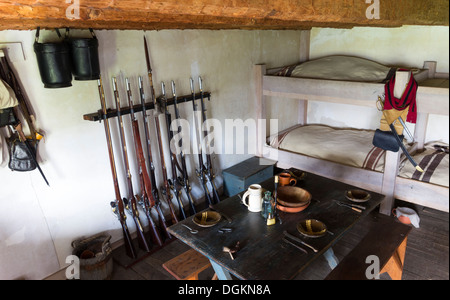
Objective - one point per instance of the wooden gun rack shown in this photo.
(111, 113)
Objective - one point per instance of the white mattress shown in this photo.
(340, 67)
(352, 147)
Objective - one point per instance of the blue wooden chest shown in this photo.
(240, 176)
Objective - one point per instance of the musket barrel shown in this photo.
(209, 173)
(116, 205)
(155, 201)
(131, 198)
(201, 169)
(145, 180)
(158, 132)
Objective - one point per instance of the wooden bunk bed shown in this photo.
(429, 99)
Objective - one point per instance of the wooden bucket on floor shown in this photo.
(95, 256)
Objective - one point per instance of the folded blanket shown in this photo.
(433, 159)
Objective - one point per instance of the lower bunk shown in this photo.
(348, 155)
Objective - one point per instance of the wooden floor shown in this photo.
(427, 253)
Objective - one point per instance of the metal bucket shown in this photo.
(95, 256)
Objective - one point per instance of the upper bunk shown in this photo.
(353, 80)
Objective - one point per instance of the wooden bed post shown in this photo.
(304, 45)
(392, 159)
(391, 164)
(260, 108)
(420, 130)
(431, 66)
(304, 56)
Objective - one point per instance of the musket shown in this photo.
(184, 179)
(117, 205)
(11, 79)
(200, 170)
(131, 200)
(146, 199)
(166, 189)
(174, 182)
(8, 75)
(155, 193)
(209, 172)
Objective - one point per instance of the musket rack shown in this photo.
(111, 113)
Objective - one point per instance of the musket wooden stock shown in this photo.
(166, 190)
(155, 193)
(132, 200)
(117, 204)
(148, 200)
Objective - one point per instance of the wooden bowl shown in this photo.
(357, 195)
(292, 209)
(206, 218)
(292, 196)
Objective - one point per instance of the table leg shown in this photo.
(221, 272)
(331, 258)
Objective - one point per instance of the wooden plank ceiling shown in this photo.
(220, 14)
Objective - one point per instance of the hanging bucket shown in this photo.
(54, 62)
(84, 54)
(95, 256)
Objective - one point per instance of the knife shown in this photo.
(351, 204)
(293, 237)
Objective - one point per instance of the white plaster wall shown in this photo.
(37, 222)
(404, 46)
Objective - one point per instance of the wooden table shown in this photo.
(263, 254)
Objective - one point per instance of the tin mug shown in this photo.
(254, 195)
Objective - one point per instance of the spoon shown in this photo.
(193, 231)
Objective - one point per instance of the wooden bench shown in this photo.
(386, 240)
(187, 265)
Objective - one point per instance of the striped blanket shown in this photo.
(433, 160)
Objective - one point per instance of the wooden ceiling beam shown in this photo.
(219, 14)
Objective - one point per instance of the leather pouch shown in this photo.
(386, 140)
(7, 117)
(20, 158)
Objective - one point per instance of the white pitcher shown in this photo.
(255, 197)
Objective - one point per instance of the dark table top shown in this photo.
(263, 254)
